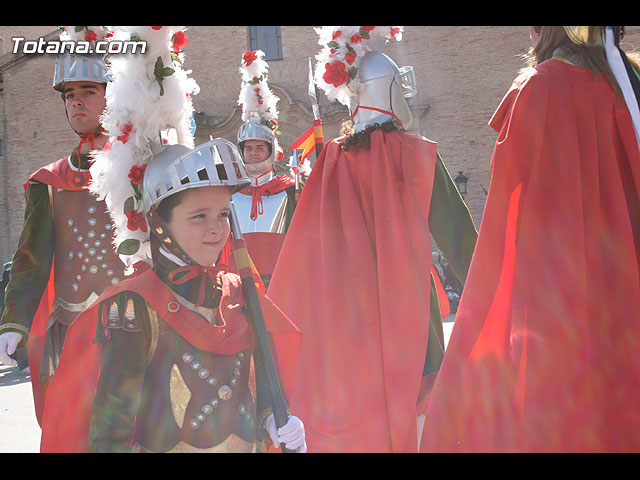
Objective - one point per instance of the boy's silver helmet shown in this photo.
(79, 68)
(382, 91)
(177, 167)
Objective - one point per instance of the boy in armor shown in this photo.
(161, 362)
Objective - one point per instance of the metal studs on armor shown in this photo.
(223, 393)
(92, 245)
(207, 409)
(187, 357)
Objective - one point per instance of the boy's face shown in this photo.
(200, 223)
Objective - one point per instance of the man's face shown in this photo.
(84, 102)
(255, 151)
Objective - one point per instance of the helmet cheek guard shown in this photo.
(382, 91)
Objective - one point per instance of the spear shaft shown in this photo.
(263, 344)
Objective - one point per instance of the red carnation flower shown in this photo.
(336, 34)
(249, 57)
(126, 130)
(156, 28)
(395, 31)
(368, 29)
(350, 58)
(335, 73)
(91, 36)
(180, 40)
(136, 174)
(135, 221)
(356, 38)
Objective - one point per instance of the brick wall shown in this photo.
(462, 73)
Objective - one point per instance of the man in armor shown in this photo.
(362, 245)
(266, 206)
(64, 257)
(161, 362)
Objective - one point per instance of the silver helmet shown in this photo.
(382, 91)
(177, 167)
(79, 68)
(254, 129)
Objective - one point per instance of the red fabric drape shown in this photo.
(543, 354)
(354, 275)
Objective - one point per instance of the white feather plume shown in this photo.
(255, 95)
(135, 115)
(342, 49)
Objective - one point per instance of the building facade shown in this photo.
(462, 73)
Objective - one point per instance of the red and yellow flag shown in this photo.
(306, 142)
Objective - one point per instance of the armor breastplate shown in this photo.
(193, 397)
(272, 218)
(85, 262)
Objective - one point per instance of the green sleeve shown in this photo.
(31, 263)
(119, 389)
(450, 222)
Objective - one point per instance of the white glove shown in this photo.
(8, 343)
(291, 434)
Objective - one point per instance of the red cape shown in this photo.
(69, 399)
(354, 275)
(543, 355)
(58, 174)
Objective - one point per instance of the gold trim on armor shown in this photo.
(155, 333)
(233, 444)
(209, 314)
(179, 394)
(74, 307)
